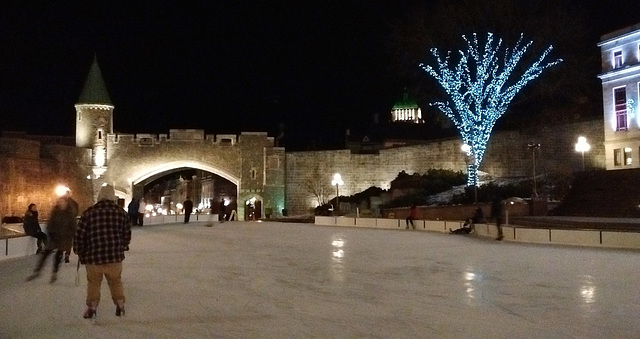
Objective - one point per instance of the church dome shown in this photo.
(406, 109)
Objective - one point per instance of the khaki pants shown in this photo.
(113, 274)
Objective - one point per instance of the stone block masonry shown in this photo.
(30, 172)
(507, 156)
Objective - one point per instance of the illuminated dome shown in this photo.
(406, 110)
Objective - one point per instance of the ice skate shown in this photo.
(90, 313)
(33, 276)
(119, 308)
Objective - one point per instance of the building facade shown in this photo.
(406, 110)
(250, 161)
(620, 51)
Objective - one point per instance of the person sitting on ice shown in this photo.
(469, 224)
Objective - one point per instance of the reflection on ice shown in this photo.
(472, 281)
(588, 290)
(287, 280)
(337, 257)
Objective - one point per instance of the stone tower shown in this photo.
(94, 118)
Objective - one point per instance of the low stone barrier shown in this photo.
(20, 246)
(165, 219)
(512, 233)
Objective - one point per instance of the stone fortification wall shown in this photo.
(132, 156)
(249, 160)
(507, 156)
(262, 171)
(20, 148)
(30, 172)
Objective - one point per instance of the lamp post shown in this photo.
(534, 147)
(582, 146)
(337, 181)
(469, 159)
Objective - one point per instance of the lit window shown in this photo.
(620, 102)
(627, 156)
(617, 59)
(617, 157)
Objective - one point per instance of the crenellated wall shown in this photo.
(30, 170)
(507, 156)
(250, 161)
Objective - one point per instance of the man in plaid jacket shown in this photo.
(102, 236)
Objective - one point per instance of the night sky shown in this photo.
(317, 67)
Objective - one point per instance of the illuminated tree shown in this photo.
(480, 88)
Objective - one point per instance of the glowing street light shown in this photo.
(582, 146)
(465, 148)
(337, 181)
(61, 190)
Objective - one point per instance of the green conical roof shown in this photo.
(405, 102)
(95, 91)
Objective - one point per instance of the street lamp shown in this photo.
(534, 147)
(582, 146)
(337, 181)
(61, 190)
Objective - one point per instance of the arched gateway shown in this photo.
(128, 161)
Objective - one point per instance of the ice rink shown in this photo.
(287, 280)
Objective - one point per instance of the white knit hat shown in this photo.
(107, 193)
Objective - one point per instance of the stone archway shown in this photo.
(140, 175)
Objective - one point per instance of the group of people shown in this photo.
(61, 229)
(469, 224)
(497, 210)
(99, 239)
(136, 210)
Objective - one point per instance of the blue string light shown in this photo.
(479, 90)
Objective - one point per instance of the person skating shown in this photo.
(496, 213)
(102, 237)
(413, 215)
(187, 206)
(142, 209)
(75, 209)
(222, 211)
(132, 209)
(61, 229)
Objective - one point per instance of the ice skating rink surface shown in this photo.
(288, 280)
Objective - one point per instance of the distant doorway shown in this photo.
(253, 209)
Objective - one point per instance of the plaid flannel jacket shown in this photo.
(103, 234)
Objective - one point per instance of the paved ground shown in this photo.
(287, 280)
